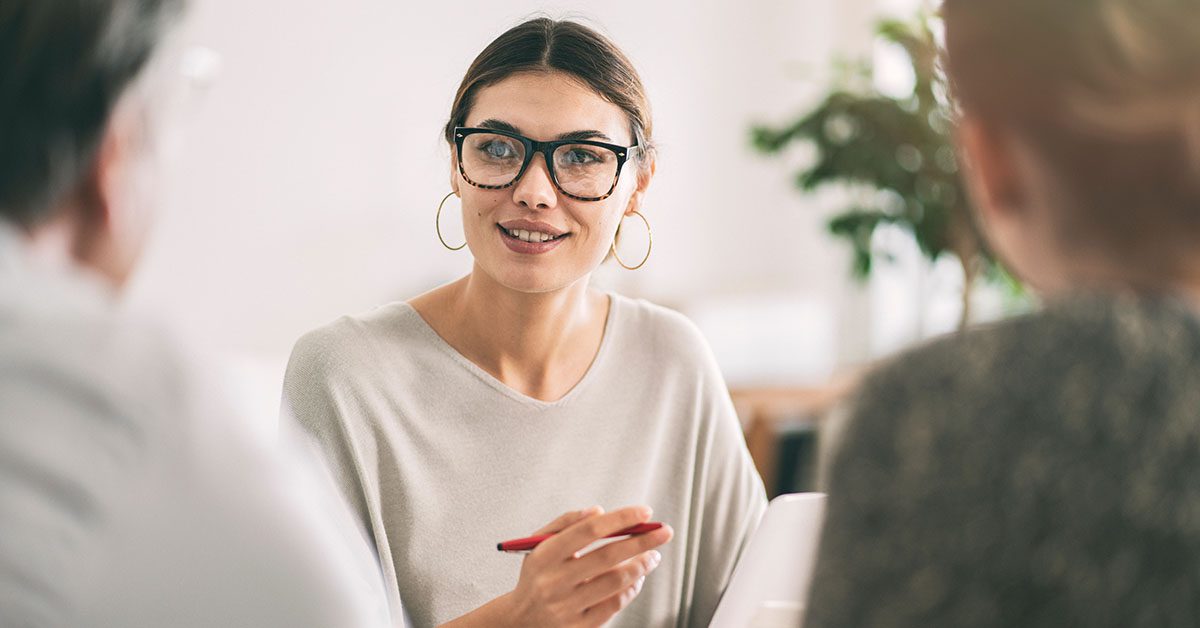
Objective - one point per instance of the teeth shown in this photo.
(530, 236)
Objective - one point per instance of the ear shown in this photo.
(644, 176)
(117, 196)
(97, 199)
(991, 168)
(454, 176)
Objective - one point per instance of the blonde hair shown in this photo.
(1107, 92)
(1143, 83)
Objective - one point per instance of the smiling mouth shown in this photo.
(530, 236)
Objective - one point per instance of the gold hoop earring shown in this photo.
(649, 245)
(437, 223)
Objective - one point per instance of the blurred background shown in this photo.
(310, 164)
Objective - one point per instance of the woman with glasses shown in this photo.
(1045, 471)
(485, 408)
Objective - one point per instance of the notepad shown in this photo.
(774, 574)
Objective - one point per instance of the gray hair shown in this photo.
(64, 67)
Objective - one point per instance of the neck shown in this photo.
(539, 344)
(1177, 278)
(66, 242)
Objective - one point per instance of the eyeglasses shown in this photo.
(584, 170)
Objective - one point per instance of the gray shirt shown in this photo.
(1039, 473)
(442, 460)
(132, 497)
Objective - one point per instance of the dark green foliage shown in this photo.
(899, 148)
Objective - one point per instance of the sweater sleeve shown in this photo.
(320, 409)
(313, 404)
(729, 498)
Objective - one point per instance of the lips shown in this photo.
(532, 226)
(529, 242)
(532, 236)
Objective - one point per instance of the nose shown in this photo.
(536, 190)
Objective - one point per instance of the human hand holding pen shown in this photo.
(558, 587)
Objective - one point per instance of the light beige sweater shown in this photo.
(441, 460)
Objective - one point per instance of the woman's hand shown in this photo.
(558, 587)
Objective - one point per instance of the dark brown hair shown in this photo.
(546, 45)
(1106, 91)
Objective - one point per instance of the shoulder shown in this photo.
(1088, 337)
(667, 334)
(1037, 431)
(88, 380)
(334, 369)
(97, 406)
(350, 341)
(89, 353)
(1047, 374)
(660, 345)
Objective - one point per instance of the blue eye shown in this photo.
(497, 149)
(577, 156)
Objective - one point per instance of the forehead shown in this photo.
(545, 105)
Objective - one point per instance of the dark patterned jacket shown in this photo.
(1042, 472)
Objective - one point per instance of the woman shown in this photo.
(1046, 471)
(475, 412)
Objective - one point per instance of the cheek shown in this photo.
(606, 218)
(606, 224)
(601, 227)
(477, 207)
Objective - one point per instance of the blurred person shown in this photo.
(130, 496)
(472, 413)
(1045, 471)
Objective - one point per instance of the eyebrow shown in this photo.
(500, 125)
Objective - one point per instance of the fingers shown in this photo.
(601, 612)
(558, 586)
(603, 559)
(567, 519)
(618, 579)
(579, 535)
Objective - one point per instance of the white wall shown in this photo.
(314, 162)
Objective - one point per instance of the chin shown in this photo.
(531, 279)
(532, 283)
(530, 276)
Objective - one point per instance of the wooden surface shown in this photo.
(768, 411)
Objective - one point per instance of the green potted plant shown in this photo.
(898, 154)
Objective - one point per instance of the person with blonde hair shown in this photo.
(1045, 471)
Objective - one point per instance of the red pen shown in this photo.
(527, 544)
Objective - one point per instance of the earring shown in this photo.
(649, 245)
(437, 222)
